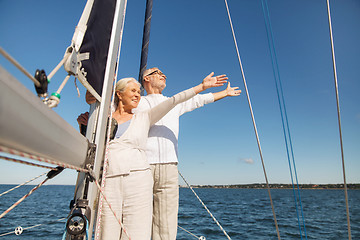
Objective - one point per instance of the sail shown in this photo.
(96, 42)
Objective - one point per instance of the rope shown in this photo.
(105, 165)
(50, 175)
(19, 230)
(41, 159)
(202, 237)
(253, 120)
(22, 199)
(339, 120)
(24, 162)
(216, 221)
(283, 112)
(21, 184)
(98, 220)
(21, 68)
(115, 215)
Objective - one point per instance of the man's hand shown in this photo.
(231, 91)
(83, 118)
(228, 92)
(82, 121)
(89, 98)
(216, 81)
(210, 82)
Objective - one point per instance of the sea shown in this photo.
(242, 213)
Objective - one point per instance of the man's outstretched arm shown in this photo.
(228, 92)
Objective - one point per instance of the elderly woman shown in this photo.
(129, 181)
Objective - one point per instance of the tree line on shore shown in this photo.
(282, 186)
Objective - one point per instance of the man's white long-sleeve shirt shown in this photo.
(162, 144)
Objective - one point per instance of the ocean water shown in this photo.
(243, 213)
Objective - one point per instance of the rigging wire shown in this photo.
(19, 230)
(41, 159)
(54, 100)
(216, 221)
(281, 100)
(253, 119)
(25, 162)
(200, 238)
(21, 68)
(50, 175)
(12, 189)
(339, 119)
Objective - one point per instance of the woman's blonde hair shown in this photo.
(121, 85)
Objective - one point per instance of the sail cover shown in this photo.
(29, 126)
(96, 42)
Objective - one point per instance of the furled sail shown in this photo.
(96, 42)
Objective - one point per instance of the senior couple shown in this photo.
(142, 179)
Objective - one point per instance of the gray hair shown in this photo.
(121, 85)
(148, 71)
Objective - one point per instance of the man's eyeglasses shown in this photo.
(158, 72)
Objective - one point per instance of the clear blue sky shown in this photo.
(190, 39)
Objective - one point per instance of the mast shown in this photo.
(145, 40)
(86, 193)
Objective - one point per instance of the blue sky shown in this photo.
(189, 39)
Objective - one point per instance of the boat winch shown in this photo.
(77, 222)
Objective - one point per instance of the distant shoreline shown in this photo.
(351, 186)
(280, 186)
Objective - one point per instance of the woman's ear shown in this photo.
(118, 94)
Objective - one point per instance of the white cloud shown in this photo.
(246, 160)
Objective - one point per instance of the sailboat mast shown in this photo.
(86, 192)
(146, 39)
(114, 52)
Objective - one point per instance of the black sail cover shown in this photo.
(97, 40)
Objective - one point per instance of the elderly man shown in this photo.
(162, 148)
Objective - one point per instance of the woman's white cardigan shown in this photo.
(127, 153)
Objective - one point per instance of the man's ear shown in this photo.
(146, 79)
